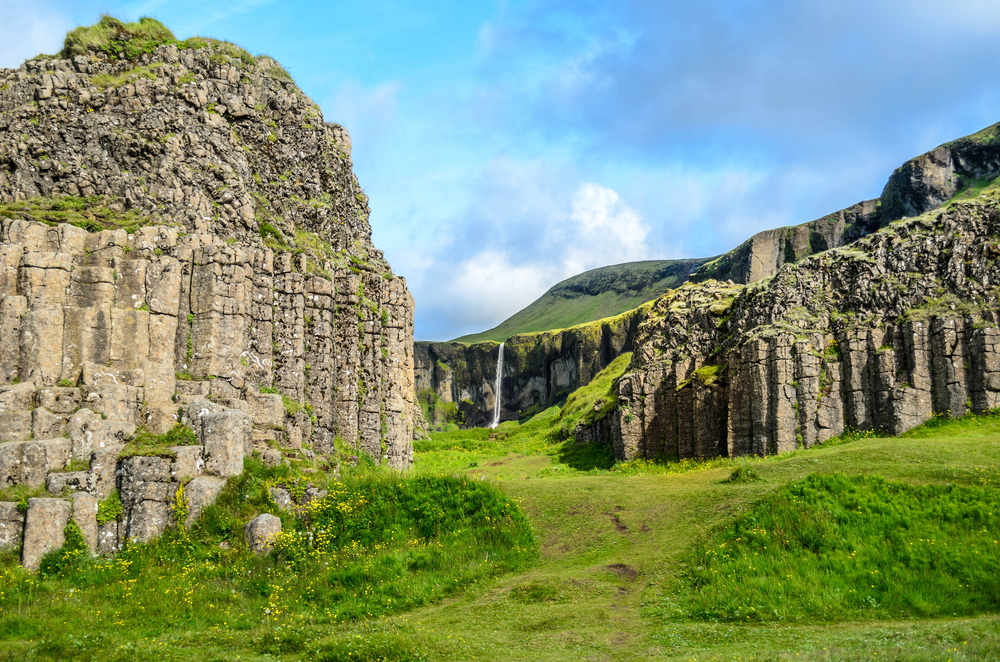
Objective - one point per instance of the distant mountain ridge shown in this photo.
(593, 295)
(959, 167)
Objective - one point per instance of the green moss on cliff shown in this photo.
(597, 399)
(113, 36)
(89, 213)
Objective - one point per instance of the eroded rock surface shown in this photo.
(883, 334)
(182, 231)
(260, 532)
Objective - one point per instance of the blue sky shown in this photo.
(508, 145)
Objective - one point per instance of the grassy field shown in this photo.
(615, 565)
(614, 580)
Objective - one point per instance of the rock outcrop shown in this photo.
(919, 185)
(179, 225)
(883, 334)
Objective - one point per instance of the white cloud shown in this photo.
(526, 231)
(603, 230)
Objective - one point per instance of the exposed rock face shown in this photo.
(43, 529)
(883, 334)
(459, 373)
(540, 369)
(178, 233)
(919, 185)
(11, 525)
(204, 153)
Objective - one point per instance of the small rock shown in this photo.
(271, 457)
(261, 531)
(43, 529)
(281, 497)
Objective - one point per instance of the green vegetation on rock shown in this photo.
(89, 213)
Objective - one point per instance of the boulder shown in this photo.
(282, 498)
(17, 397)
(260, 532)
(15, 426)
(107, 539)
(63, 401)
(267, 409)
(74, 481)
(147, 496)
(271, 457)
(226, 436)
(190, 462)
(43, 529)
(46, 425)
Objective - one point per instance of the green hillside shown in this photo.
(593, 295)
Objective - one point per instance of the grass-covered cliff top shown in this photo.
(591, 296)
(117, 39)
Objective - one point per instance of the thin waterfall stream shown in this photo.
(496, 390)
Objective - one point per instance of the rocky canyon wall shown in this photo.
(919, 185)
(182, 240)
(883, 334)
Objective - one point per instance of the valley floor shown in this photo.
(611, 549)
(611, 579)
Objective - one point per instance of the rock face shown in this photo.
(463, 374)
(540, 369)
(182, 240)
(882, 334)
(43, 529)
(11, 525)
(919, 185)
(245, 258)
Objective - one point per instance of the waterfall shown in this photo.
(496, 390)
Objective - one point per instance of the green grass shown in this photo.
(621, 567)
(114, 36)
(88, 213)
(618, 546)
(970, 189)
(545, 441)
(145, 443)
(591, 296)
(377, 545)
(835, 547)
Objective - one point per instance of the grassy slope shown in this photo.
(590, 296)
(587, 524)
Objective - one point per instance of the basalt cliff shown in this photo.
(546, 366)
(182, 240)
(882, 334)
